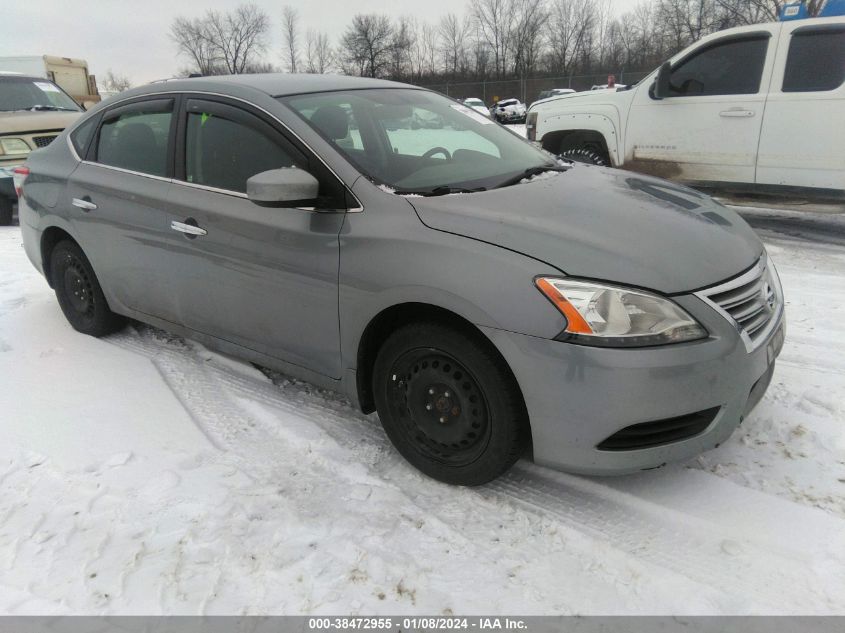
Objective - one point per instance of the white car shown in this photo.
(609, 87)
(755, 109)
(509, 111)
(477, 105)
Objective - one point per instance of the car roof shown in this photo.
(278, 84)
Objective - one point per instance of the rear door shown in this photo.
(117, 198)
(803, 132)
(708, 129)
(261, 277)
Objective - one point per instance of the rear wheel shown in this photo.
(449, 404)
(5, 212)
(79, 293)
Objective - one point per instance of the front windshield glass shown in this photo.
(416, 141)
(25, 93)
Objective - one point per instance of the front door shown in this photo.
(707, 130)
(262, 277)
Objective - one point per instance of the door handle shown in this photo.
(188, 227)
(85, 205)
(737, 112)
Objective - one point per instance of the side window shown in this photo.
(224, 153)
(733, 67)
(82, 135)
(136, 137)
(816, 61)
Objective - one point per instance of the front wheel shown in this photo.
(79, 293)
(586, 155)
(449, 404)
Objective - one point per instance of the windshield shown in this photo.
(25, 93)
(416, 141)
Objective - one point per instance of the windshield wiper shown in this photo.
(50, 108)
(440, 191)
(532, 171)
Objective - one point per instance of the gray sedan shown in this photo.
(486, 298)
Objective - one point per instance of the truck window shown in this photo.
(816, 61)
(730, 67)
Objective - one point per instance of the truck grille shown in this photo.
(43, 141)
(751, 302)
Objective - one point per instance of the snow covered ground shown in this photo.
(142, 473)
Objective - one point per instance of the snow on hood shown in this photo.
(606, 224)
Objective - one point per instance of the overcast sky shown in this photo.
(130, 38)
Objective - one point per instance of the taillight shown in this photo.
(531, 126)
(19, 174)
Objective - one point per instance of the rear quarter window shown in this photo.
(81, 137)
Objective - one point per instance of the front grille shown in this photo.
(750, 302)
(659, 432)
(43, 141)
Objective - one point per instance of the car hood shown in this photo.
(27, 122)
(606, 224)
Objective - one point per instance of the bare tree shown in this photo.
(194, 41)
(494, 19)
(319, 56)
(290, 34)
(239, 36)
(526, 34)
(367, 45)
(403, 45)
(569, 25)
(454, 34)
(113, 82)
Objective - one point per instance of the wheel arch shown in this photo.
(50, 237)
(570, 131)
(396, 316)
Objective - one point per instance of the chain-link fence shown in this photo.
(527, 90)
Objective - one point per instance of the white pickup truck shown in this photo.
(756, 109)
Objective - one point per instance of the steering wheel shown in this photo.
(437, 150)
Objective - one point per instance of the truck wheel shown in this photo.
(586, 155)
(449, 404)
(5, 212)
(78, 292)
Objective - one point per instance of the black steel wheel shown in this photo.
(449, 404)
(78, 291)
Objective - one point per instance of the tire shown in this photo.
(450, 405)
(79, 293)
(5, 212)
(586, 155)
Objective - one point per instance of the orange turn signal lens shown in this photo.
(575, 322)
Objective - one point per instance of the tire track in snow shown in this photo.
(705, 552)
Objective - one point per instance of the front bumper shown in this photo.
(579, 396)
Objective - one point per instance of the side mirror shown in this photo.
(286, 187)
(87, 105)
(662, 87)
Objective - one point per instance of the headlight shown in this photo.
(610, 316)
(13, 146)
